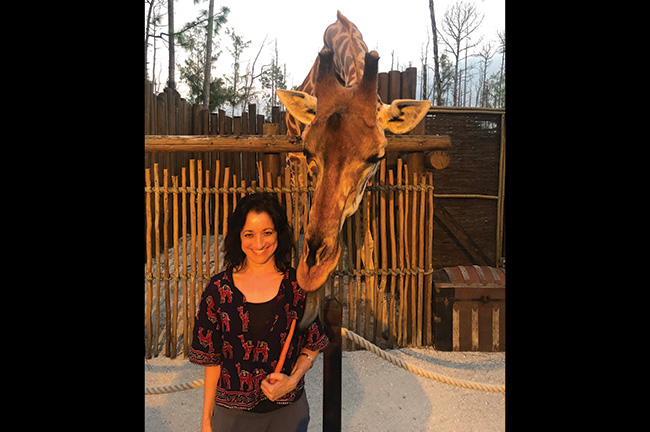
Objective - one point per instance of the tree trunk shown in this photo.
(146, 39)
(435, 55)
(172, 57)
(456, 77)
(208, 58)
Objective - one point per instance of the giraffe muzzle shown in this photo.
(318, 260)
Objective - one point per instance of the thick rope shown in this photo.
(416, 370)
(174, 388)
(373, 349)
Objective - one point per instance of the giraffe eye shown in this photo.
(375, 158)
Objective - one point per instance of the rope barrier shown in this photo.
(419, 371)
(174, 387)
(384, 272)
(373, 349)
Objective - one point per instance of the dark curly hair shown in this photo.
(258, 202)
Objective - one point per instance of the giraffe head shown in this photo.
(344, 143)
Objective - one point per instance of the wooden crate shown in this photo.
(469, 309)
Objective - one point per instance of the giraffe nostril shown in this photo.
(317, 250)
(313, 248)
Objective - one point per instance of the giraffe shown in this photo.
(341, 119)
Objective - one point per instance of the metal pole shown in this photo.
(333, 312)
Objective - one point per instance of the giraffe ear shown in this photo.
(299, 104)
(402, 115)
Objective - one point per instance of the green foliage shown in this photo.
(192, 74)
(192, 38)
(496, 90)
(236, 88)
(446, 78)
(272, 79)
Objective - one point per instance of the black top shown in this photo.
(259, 315)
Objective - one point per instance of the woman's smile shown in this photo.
(259, 252)
(259, 240)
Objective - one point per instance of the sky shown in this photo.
(299, 25)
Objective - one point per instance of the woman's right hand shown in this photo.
(206, 426)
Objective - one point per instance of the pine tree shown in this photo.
(192, 40)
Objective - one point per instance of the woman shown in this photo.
(242, 323)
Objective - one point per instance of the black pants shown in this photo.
(293, 417)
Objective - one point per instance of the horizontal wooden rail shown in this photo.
(276, 143)
(466, 110)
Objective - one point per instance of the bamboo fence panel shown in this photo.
(176, 279)
(384, 273)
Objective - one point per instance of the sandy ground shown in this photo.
(377, 396)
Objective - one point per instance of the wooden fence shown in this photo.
(169, 114)
(383, 277)
(385, 286)
(397, 85)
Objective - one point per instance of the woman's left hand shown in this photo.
(282, 384)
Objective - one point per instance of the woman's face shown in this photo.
(259, 240)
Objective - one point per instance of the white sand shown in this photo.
(377, 396)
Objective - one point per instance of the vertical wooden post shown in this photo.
(157, 282)
(252, 119)
(382, 86)
(332, 366)
(275, 116)
(394, 86)
(176, 278)
(149, 284)
(500, 194)
(271, 160)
